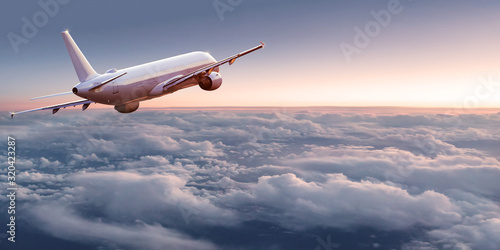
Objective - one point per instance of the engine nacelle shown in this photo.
(210, 82)
(127, 108)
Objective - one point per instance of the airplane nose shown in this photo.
(75, 91)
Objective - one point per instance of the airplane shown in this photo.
(126, 88)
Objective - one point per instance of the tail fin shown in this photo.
(82, 66)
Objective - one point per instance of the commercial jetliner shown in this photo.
(125, 88)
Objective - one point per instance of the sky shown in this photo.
(263, 178)
(328, 138)
(318, 53)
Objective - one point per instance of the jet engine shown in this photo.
(210, 82)
(127, 108)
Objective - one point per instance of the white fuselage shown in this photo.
(138, 81)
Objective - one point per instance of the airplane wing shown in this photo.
(209, 68)
(56, 108)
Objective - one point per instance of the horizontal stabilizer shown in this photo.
(53, 95)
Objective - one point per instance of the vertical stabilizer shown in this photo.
(82, 66)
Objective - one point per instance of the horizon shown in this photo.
(329, 109)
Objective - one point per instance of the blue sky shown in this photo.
(429, 54)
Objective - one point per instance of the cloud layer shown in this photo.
(284, 178)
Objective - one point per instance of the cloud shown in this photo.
(219, 179)
(34, 177)
(66, 224)
(153, 196)
(339, 202)
(461, 171)
(479, 235)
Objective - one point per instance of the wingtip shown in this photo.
(263, 44)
